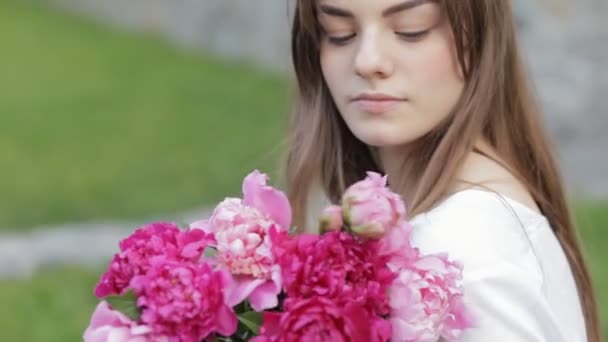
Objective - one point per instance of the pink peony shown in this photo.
(159, 239)
(370, 208)
(243, 247)
(185, 301)
(241, 238)
(333, 265)
(396, 245)
(317, 319)
(331, 219)
(426, 301)
(109, 325)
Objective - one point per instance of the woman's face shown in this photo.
(390, 65)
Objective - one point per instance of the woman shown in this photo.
(434, 94)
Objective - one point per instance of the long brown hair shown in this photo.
(497, 103)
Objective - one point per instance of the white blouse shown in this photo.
(516, 278)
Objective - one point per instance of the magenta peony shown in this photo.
(317, 319)
(185, 301)
(159, 239)
(333, 265)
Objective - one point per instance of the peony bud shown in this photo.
(331, 219)
(370, 208)
(369, 231)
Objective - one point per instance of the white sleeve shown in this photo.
(502, 278)
(509, 306)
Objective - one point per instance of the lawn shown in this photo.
(53, 306)
(97, 123)
(592, 220)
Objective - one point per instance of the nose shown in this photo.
(371, 59)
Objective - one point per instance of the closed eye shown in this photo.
(341, 40)
(408, 36)
(412, 36)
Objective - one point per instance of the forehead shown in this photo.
(354, 8)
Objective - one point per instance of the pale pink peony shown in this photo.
(370, 208)
(396, 245)
(110, 325)
(185, 301)
(318, 319)
(158, 239)
(243, 246)
(426, 301)
(241, 238)
(331, 219)
(268, 200)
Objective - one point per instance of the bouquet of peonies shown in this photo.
(241, 275)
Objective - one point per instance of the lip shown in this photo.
(376, 103)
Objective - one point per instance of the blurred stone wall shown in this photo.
(244, 29)
(565, 44)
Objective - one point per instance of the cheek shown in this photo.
(332, 66)
(435, 74)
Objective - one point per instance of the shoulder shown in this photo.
(488, 171)
(504, 285)
(481, 230)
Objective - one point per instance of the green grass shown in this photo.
(592, 220)
(53, 306)
(56, 304)
(96, 123)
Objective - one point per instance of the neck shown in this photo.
(393, 161)
(398, 163)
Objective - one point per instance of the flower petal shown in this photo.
(104, 315)
(265, 297)
(106, 323)
(202, 225)
(227, 321)
(266, 199)
(242, 288)
(272, 323)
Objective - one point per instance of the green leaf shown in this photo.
(293, 230)
(252, 320)
(126, 304)
(222, 339)
(209, 252)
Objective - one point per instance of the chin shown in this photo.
(379, 139)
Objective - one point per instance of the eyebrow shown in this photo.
(403, 6)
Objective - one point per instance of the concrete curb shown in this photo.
(82, 244)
